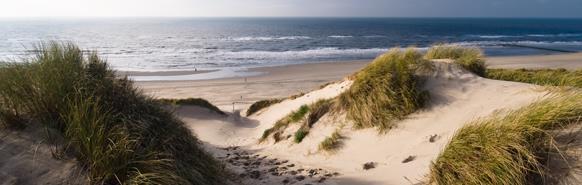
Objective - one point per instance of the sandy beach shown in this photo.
(452, 91)
(284, 81)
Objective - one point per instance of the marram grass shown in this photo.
(332, 142)
(119, 135)
(306, 114)
(386, 90)
(259, 105)
(470, 58)
(551, 77)
(506, 149)
(283, 123)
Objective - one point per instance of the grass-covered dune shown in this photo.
(508, 148)
(199, 102)
(470, 58)
(386, 90)
(116, 133)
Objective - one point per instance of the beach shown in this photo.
(284, 81)
(391, 120)
(452, 90)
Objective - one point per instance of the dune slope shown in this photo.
(400, 156)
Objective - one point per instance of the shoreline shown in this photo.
(237, 93)
(558, 60)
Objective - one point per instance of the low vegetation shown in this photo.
(259, 105)
(301, 134)
(471, 59)
(283, 123)
(193, 102)
(309, 114)
(299, 114)
(318, 110)
(119, 135)
(386, 90)
(551, 77)
(332, 142)
(507, 149)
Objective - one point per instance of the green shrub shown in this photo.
(193, 102)
(469, 58)
(506, 149)
(552, 77)
(259, 105)
(386, 90)
(118, 134)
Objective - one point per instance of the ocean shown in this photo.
(165, 44)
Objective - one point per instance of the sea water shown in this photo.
(165, 44)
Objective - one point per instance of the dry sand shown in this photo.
(26, 157)
(278, 82)
(457, 97)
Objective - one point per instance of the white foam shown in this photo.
(498, 43)
(340, 36)
(269, 38)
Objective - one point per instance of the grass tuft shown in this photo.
(301, 134)
(194, 102)
(119, 135)
(469, 58)
(506, 149)
(318, 110)
(296, 116)
(332, 142)
(386, 90)
(283, 123)
(259, 105)
(551, 77)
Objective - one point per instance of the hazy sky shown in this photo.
(291, 8)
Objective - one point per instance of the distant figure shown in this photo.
(195, 69)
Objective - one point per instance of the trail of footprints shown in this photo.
(254, 168)
(261, 169)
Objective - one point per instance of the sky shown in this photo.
(291, 8)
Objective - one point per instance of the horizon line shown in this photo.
(435, 17)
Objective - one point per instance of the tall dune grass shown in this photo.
(386, 90)
(506, 149)
(471, 59)
(118, 134)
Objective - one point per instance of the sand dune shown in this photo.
(457, 97)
